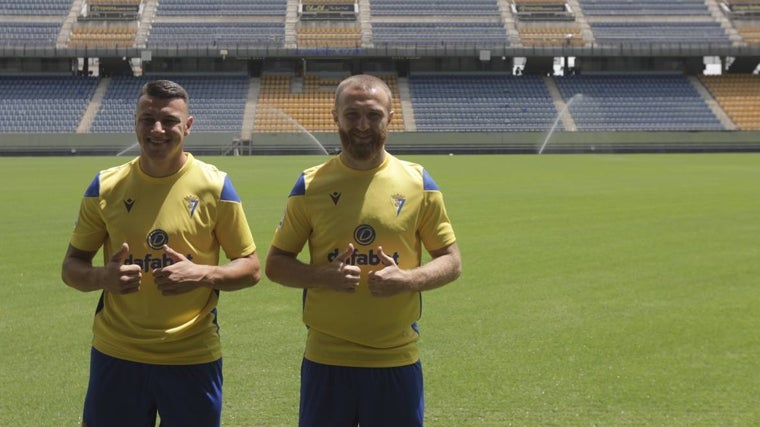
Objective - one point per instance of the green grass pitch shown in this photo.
(597, 290)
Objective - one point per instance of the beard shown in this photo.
(361, 150)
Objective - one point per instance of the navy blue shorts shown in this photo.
(339, 396)
(130, 394)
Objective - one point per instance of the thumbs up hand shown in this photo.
(120, 278)
(389, 279)
(181, 276)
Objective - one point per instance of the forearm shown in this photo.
(444, 268)
(82, 275)
(238, 274)
(435, 273)
(290, 271)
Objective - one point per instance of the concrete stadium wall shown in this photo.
(399, 142)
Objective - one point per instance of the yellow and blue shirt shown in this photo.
(195, 211)
(397, 206)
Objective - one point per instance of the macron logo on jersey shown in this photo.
(335, 196)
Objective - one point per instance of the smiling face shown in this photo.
(362, 113)
(161, 125)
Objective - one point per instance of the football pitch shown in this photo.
(596, 290)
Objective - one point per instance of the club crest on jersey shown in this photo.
(192, 203)
(398, 202)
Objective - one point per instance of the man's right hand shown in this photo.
(119, 278)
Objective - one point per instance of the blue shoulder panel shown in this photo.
(300, 188)
(93, 190)
(427, 182)
(228, 191)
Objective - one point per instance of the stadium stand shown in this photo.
(333, 36)
(39, 34)
(437, 23)
(225, 23)
(35, 7)
(229, 8)
(103, 35)
(738, 95)
(453, 65)
(216, 101)
(625, 102)
(551, 36)
(217, 34)
(286, 105)
(33, 103)
(629, 8)
(438, 33)
(649, 32)
(653, 22)
(446, 102)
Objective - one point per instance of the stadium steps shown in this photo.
(92, 108)
(291, 21)
(719, 16)
(559, 103)
(249, 114)
(63, 36)
(407, 110)
(582, 22)
(365, 21)
(509, 23)
(723, 118)
(148, 13)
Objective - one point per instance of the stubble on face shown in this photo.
(362, 149)
(161, 126)
(362, 119)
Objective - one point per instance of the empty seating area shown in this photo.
(448, 33)
(43, 104)
(35, 7)
(218, 34)
(635, 32)
(336, 35)
(216, 101)
(550, 36)
(739, 96)
(32, 34)
(643, 7)
(431, 23)
(625, 102)
(480, 103)
(441, 102)
(281, 109)
(270, 8)
(458, 8)
(103, 36)
(750, 33)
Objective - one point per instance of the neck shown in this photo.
(363, 165)
(160, 168)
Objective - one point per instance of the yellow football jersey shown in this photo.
(396, 206)
(194, 211)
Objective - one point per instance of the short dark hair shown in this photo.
(164, 89)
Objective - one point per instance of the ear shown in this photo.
(190, 121)
(335, 116)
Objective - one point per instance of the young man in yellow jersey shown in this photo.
(161, 220)
(366, 217)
